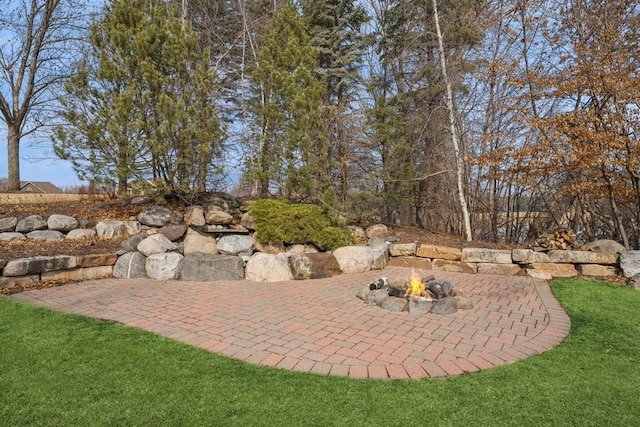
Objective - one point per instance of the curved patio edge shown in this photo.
(320, 327)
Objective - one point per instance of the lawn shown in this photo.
(63, 370)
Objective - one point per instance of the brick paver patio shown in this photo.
(319, 326)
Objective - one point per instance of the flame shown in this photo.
(416, 288)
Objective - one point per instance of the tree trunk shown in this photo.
(454, 134)
(13, 156)
(616, 213)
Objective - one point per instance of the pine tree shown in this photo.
(286, 108)
(336, 32)
(140, 105)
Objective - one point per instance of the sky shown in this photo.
(38, 163)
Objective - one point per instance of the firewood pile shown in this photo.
(560, 238)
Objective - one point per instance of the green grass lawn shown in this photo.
(64, 370)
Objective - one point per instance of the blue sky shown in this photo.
(37, 163)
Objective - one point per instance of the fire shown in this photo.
(416, 288)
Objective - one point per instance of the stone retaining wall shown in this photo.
(209, 244)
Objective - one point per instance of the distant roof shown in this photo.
(42, 186)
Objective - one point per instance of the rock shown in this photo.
(439, 252)
(248, 222)
(297, 249)
(194, 241)
(440, 288)
(376, 296)
(499, 269)
(463, 302)
(110, 228)
(8, 224)
(19, 282)
(313, 266)
(2, 263)
(131, 244)
(269, 248)
(214, 215)
(553, 269)
(43, 235)
(96, 260)
(164, 266)
(363, 292)
(263, 267)
(411, 262)
(380, 256)
(63, 223)
(78, 274)
(130, 265)
(493, 256)
(235, 244)
(156, 244)
(9, 236)
(420, 305)
(158, 216)
(81, 233)
(206, 267)
(445, 306)
(354, 259)
(39, 264)
(538, 274)
(195, 216)
(595, 270)
(173, 232)
(377, 230)
(604, 245)
(358, 234)
(630, 263)
(583, 257)
(454, 266)
(31, 223)
(527, 256)
(394, 304)
(402, 249)
(635, 282)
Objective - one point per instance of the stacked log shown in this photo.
(560, 238)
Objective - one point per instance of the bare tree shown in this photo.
(35, 57)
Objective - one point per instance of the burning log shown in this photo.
(560, 238)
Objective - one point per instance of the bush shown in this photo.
(291, 223)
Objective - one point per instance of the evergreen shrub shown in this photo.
(292, 223)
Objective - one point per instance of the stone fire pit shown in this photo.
(417, 295)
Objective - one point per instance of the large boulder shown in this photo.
(31, 223)
(158, 216)
(173, 232)
(439, 252)
(379, 256)
(9, 236)
(263, 267)
(194, 215)
(164, 266)
(63, 223)
(44, 235)
(81, 233)
(528, 256)
(235, 244)
(131, 244)
(354, 259)
(493, 256)
(38, 264)
(583, 257)
(402, 249)
(213, 214)
(313, 266)
(130, 265)
(248, 222)
(604, 245)
(156, 244)
(8, 223)
(204, 267)
(110, 228)
(630, 263)
(194, 241)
